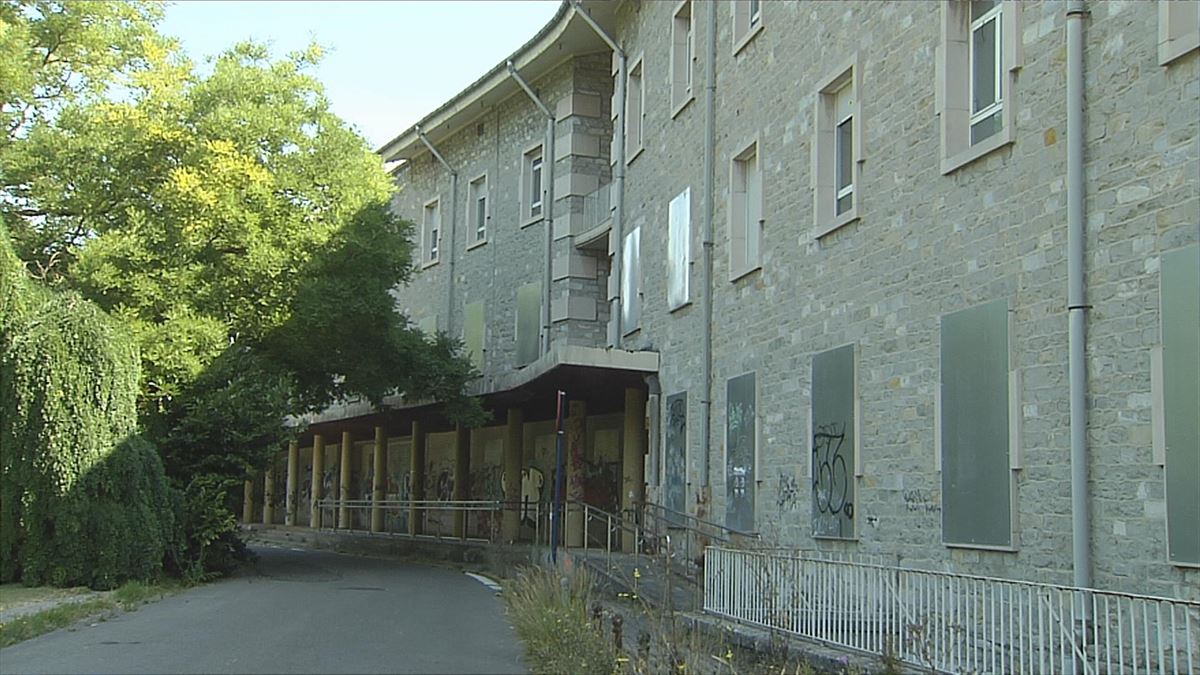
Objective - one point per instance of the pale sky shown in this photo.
(387, 64)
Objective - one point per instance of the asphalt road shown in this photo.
(303, 612)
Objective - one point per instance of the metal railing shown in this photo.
(467, 520)
(597, 208)
(953, 623)
(602, 531)
(689, 536)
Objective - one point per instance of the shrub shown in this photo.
(82, 499)
(550, 613)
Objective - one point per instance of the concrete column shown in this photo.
(293, 483)
(378, 479)
(417, 476)
(344, 480)
(269, 496)
(514, 444)
(633, 466)
(576, 451)
(318, 472)
(462, 476)
(247, 501)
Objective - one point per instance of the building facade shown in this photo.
(826, 245)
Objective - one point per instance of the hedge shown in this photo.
(83, 500)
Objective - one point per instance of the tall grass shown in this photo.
(550, 611)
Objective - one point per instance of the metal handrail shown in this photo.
(725, 533)
(693, 535)
(422, 508)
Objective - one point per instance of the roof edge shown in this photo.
(536, 45)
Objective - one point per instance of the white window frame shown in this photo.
(747, 22)
(845, 79)
(679, 250)
(477, 190)
(532, 206)
(994, 16)
(953, 92)
(431, 232)
(746, 210)
(1178, 29)
(635, 109)
(683, 56)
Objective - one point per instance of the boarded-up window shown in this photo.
(529, 308)
(679, 230)
(833, 442)
(631, 281)
(473, 332)
(1180, 300)
(740, 451)
(977, 484)
(675, 453)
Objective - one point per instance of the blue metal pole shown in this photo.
(557, 511)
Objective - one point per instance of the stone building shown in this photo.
(805, 269)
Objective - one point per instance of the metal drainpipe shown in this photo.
(1077, 298)
(710, 141)
(453, 218)
(618, 224)
(547, 202)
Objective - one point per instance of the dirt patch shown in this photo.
(17, 601)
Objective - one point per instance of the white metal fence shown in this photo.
(953, 623)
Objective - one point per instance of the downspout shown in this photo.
(618, 224)
(1077, 298)
(453, 220)
(710, 141)
(548, 162)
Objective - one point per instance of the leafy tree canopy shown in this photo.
(224, 214)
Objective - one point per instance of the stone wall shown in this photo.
(925, 245)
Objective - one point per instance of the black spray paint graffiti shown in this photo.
(788, 494)
(532, 481)
(921, 501)
(831, 478)
(487, 483)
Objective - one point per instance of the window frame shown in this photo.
(746, 22)
(635, 109)
(754, 205)
(825, 158)
(477, 190)
(683, 57)
(1178, 29)
(955, 79)
(431, 256)
(533, 153)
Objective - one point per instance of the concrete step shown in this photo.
(644, 576)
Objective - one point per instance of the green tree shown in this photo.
(82, 499)
(235, 225)
(53, 55)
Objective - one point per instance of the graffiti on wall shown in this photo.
(532, 482)
(601, 485)
(922, 501)
(787, 496)
(831, 476)
(487, 483)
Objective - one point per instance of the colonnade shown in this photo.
(575, 425)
